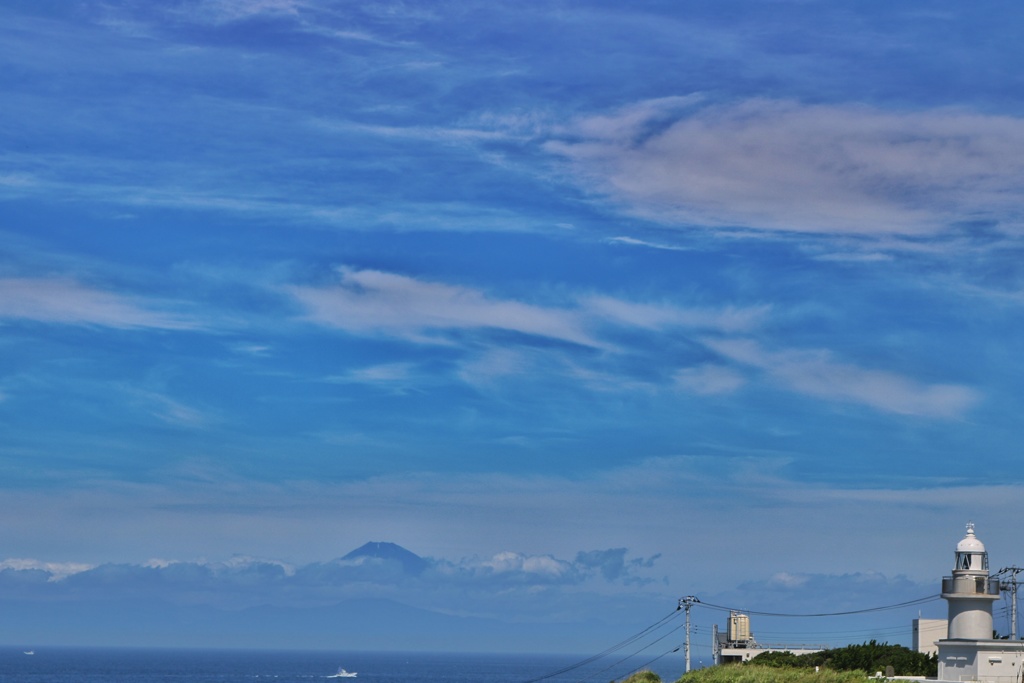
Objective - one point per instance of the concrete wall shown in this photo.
(927, 632)
(989, 661)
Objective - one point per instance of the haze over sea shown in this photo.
(105, 665)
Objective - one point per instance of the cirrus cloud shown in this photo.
(815, 373)
(782, 165)
(378, 302)
(372, 301)
(61, 300)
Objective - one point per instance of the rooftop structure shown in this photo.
(737, 644)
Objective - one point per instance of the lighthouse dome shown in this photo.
(970, 553)
(970, 542)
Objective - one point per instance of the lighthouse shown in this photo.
(971, 652)
(970, 591)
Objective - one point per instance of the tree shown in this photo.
(868, 657)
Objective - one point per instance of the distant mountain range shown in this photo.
(380, 596)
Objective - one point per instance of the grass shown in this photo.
(751, 673)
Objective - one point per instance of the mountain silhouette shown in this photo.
(410, 562)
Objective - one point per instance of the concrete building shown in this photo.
(737, 644)
(927, 633)
(969, 652)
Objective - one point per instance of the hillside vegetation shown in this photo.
(744, 673)
(870, 657)
(752, 673)
(851, 664)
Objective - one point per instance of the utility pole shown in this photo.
(1012, 586)
(687, 603)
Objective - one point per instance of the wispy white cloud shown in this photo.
(386, 373)
(252, 349)
(780, 165)
(165, 408)
(449, 135)
(305, 16)
(375, 302)
(369, 301)
(497, 363)
(632, 241)
(399, 378)
(709, 379)
(816, 373)
(655, 316)
(58, 300)
(497, 366)
(226, 11)
(17, 180)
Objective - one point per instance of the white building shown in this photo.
(969, 652)
(927, 634)
(737, 644)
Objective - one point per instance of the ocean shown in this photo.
(108, 665)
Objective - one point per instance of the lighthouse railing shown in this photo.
(976, 585)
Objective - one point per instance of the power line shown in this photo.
(848, 632)
(652, 661)
(630, 656)
(908, 603)
(613, 648)
(1012, 585)
(694, 601)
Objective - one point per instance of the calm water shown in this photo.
(95, 665)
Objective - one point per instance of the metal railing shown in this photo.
(972, 585)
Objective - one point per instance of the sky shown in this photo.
(592, 305)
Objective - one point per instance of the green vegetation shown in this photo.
(752, 673)
(851, 664)
(870, 657)
(643, 677)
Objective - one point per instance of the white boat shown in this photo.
(343, 674)
(30, 652)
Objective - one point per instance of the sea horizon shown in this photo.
(152, 664)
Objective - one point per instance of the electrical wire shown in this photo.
(658, 624)
(630, 656)
(919, 601)
(823, 636)
(651, 661)
(831, 633)
(605, 653)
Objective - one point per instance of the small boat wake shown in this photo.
(343, 674)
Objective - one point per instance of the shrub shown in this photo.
(871, 656)
(752, 673)
(643, 677)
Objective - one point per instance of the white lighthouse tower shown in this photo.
(970, 591)
(970, 652)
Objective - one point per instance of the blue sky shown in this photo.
(731, 291)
